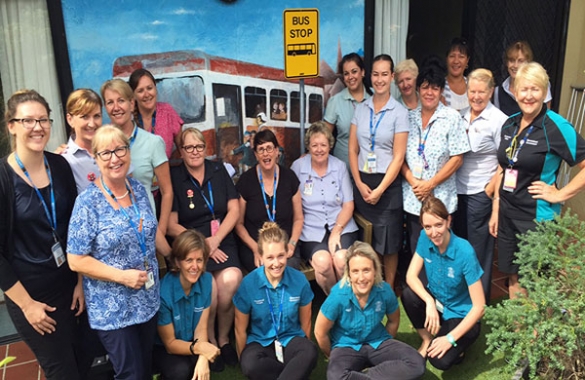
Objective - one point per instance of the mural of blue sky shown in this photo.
(98, 32)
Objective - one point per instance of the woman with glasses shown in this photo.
(436, 144)
(269, 192)
(112, 238)
(150, 164)
(84, 115)
(44, 298)
(534, 144)
(205, 199)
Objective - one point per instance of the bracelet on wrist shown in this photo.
(293, 243)
(193, 345)
(451, 340)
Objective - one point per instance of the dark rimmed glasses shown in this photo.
(30, 123)
(106, 155)
(190, 148)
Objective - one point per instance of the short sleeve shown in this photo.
(231, 191)
(331, 113)
(82, 228)
(566, 142)
(390, 298)
(206, 288)
(306, 293)
(294, 182)
(242, 300)
(402, 120)
(331, 306)
(471, 270)
(243, 187)
(346, 188)
(164, 313)
(458, 140)
(159, 155)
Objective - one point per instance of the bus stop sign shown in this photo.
(301, 43)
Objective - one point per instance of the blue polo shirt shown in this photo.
(354, 326)
(294, 291)
(450, 274)
(183, 311)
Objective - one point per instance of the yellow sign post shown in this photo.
(301, 43)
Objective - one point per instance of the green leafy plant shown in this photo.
(546, 327)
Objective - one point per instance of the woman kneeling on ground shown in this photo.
(446, 312)
(350, 329)
(182, 350)
(273, 315)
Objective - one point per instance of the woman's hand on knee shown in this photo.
(439, 347)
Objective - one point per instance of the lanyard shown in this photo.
(211, 204)
(271, 217)
(513, 151)
(374, 130)
(137, 229)
(133, 137)
(275, 322)
(422, 144)
(53, 219)
(141, 122)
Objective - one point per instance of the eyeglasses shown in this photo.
(190, 148)
(268, 149)
(30, 123)
(106, 155)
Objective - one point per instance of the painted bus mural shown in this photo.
(225, 98)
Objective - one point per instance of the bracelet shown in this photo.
(496, 198)
(451, 340)
(192, 345)
(293, 243)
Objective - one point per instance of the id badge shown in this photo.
(439, 306)
(58, 254)
(417, 170)
(371, 162)
(308, 187)
(149, 279)
(214, 226)
(154, 183)
(510, 179)
(278, 351)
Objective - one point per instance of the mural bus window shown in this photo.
(278, 100)
(255, 99)
(315, 108)
(186, 95)
(295, 106)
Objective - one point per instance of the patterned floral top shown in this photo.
(98, 230)
(446, 137)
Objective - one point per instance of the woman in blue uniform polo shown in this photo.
(273, 315)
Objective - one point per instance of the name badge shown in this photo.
(439, 306)
(58, 254)
(371, 162)
(214, 226)
(510, 180)
(149, 279)
(308, 187)
(278, 351)
(417, 170)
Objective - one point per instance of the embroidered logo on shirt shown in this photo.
(198, 309)
(259, 302)
(531, 142)
(294, 299)
(428, 260)
(348, 310)
(378, 306)
(450, 272)
(177, 317)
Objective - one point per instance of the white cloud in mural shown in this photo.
(157, 22)
(183, 11)
(356, 4)
(144, 36)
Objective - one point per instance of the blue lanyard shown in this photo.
(139, 230)
(141, 122)
(271, 217)
(211, 204)
(275, 322)
(374, 130)
(53, 219)
(512, 152)
(133, 137)
(422, 144)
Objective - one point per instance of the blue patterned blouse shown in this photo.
(97, 229)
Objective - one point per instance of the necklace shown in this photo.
(123, 196)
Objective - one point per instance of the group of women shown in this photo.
(72, 258)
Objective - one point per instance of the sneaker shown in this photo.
(229, 355)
